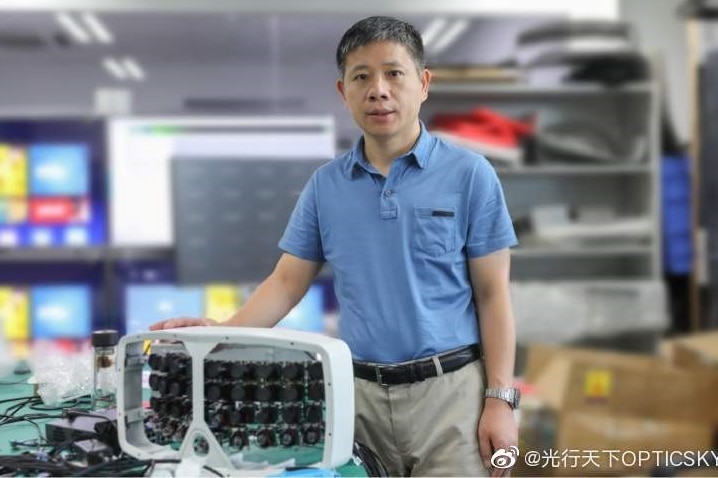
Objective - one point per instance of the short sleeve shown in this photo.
(490, 227)
(302, 237)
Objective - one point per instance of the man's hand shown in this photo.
(181, 322)
(497, 429)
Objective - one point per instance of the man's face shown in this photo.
(383, 90)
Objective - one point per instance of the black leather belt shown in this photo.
(417, 370)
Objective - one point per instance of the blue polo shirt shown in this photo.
(398, 246)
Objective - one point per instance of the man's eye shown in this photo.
(395, 73)
(360, 77)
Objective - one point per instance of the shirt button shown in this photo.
(387, 193)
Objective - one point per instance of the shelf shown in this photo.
(478, 89)
(117, 253)
(84, 254)
(89, 254)
(574, 170)
(586, 252)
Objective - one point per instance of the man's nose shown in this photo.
(379, 89)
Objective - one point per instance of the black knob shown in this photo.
(178, 364)
(247, 414)
(289, 437)
(213, 369)
(163, 385)
(155, 403)
(239, 370)
(238, 392)
(316, 391)
(293, 371)
(212, 391)
(265, 438)
(179, 408)
(315, 371)
(234, 417)
(266, 393)
(315, 413)
(239, 439)
(156, 361)
(155, 380)
(267, 371)
(291, 414)
(266, 415)
(177, 388)
(291, 393)
(312, 435)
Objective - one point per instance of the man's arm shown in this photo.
(270, 302)
(279, 292)
(490, 281)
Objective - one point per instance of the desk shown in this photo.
(15, 386)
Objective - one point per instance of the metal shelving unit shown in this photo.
(631, 189)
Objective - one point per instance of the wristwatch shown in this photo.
(510, 395)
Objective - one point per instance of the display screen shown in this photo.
(146, 304)
(15, 313)
(51, 183)
(308, 314)
(61, 312)
(141, 151)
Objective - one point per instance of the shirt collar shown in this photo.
(420, 152)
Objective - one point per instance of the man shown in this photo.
(417, 233)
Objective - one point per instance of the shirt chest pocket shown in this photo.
(434, 230)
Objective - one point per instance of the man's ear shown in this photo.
(425, 82)
(340, 90)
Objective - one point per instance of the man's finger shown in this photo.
(485, 450)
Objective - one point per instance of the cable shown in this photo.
(370, 460)
(128, 463)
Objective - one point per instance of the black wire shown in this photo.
(40, 406)
(7, 400)
(128, 463)
(372, 463)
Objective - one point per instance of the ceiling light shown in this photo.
(98, 29)
(432, 31)
(114, 68)
(450, 35)
(73, 28)
(133, 68)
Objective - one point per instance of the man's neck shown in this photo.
(381, 153)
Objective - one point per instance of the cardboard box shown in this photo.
(599, 444)
(612, 383)
(603, 401)
(692, 351)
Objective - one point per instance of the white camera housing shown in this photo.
(246, 344)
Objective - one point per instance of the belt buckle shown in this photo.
(377, 373)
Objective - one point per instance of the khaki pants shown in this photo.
(424, 428)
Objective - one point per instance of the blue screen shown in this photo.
(147, 304)
(308, 314)
(59, 170)
(52, 183)
(61, 312)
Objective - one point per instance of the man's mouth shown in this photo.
(380, 113)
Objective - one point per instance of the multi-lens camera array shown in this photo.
(247, 403)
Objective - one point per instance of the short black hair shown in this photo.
(378, 29)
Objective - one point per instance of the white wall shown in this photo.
(69, 90)
(662, 33)
(574, 8)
